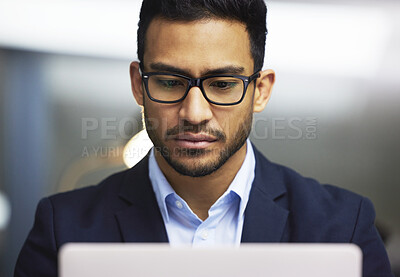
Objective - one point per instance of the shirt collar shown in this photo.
(240, 185)
(160, 185)
(243, 180)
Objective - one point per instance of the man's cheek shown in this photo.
(152, 123)
(229, 125)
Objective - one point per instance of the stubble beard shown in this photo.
(199, 169)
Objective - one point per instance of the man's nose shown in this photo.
(195, 108)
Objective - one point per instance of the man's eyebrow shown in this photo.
(230, 69)
(167, 68)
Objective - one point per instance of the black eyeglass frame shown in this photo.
(198, 82)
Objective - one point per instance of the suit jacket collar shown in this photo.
(265, 219)
(142, 220)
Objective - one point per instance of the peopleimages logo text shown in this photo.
(276, 128)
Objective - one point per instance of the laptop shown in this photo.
(249, 260)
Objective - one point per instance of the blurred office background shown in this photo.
(66, 109)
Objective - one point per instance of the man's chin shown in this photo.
(193, 162)
(192, 171)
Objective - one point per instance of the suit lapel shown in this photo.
(142, 220)
(265, 219)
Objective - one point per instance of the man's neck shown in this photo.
(200, 193)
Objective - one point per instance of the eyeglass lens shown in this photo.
(218, 89)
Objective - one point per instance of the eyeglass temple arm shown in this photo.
(256, 75)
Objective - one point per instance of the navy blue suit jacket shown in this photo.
(283, 207)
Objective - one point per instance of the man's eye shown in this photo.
(170, 84)
(224, 84)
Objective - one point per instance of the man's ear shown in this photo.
(263, 90)
(136, 82)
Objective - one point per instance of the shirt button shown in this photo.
(204, 234)
(178, 204)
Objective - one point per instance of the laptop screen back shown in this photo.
(252, 260)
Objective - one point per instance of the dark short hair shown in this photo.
(252, 13)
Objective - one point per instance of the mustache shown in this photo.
(195, 129)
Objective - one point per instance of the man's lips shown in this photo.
(195, 137)
(192, 140)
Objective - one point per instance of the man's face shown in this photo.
(194, 136)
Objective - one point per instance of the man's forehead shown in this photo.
(197, 27)
(212, 44)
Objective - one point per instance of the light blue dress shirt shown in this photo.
(224, 224)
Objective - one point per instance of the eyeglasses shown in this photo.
(222, 90)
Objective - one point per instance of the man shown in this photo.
(199, 82)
